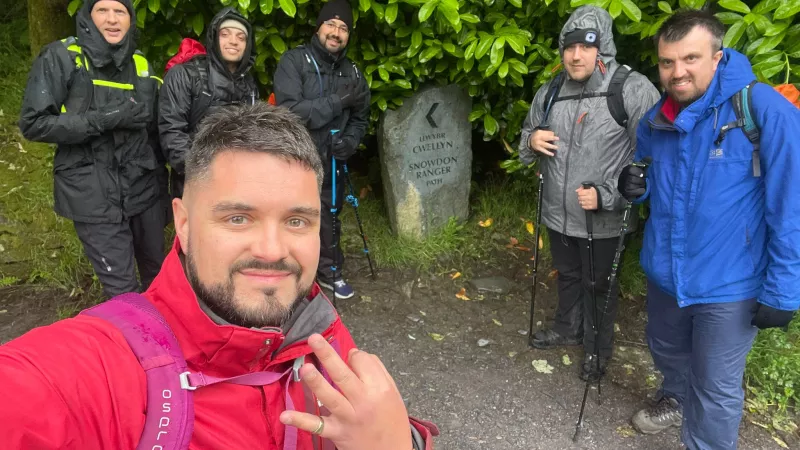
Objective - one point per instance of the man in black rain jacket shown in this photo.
(317, 82)
(193, 89)
(94, 97)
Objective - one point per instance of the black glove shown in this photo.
(127, 115)
(343, 149)
(632, 182)
(769, 317)
(349, 97)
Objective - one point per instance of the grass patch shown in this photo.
(35, 244)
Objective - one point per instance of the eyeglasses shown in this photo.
(342, 28)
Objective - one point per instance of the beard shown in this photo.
(221, 297)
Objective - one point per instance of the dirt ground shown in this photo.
(482, 396)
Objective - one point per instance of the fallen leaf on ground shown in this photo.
(552, 275)
(485, 223)
(529, 226)
(512, 354)
(541, 243)
(628, 368)
(462, 295)
(3, 311)
(626, 431)
(513, 241)
(412, 337)
(423, 313)
(363, 194)
(565, 359)
(483, 342)
(436, 336)
(541, 366)
(455, 275)
(366, 299)
(524, 249)
(497, 322)
(616, 328)
(780, 441)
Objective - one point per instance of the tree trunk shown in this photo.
(48, 21)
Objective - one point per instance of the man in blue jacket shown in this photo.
(722, 244)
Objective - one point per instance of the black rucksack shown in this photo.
(616, 104)
(202, 95)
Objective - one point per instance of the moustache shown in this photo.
(279, 266)
(335, 38)
(679, 80)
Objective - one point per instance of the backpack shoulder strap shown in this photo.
(615, 100)
(550, 98)
(743, 108)
(203, 95)
(169, 419)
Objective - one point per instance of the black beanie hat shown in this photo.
(587, 36)
(336, 9)
(127, 3)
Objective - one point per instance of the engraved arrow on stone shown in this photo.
(430, 114)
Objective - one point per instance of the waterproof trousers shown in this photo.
(701, 351)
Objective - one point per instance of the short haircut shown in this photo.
(684, 21)
(258, 128)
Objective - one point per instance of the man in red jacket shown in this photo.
(238, 292)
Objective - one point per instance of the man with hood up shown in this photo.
(329, 93)
(587, 134)
(192, 89)
(94, 97)
(721, 248)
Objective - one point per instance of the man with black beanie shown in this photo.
(331, 96)
(94, 97)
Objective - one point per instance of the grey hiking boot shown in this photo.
(544, 339)
(665, 413)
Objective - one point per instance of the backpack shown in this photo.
(192, 54)
(613, 95)
(743, 108)
(169, 419)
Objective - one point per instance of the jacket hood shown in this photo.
(95, 46)
(212, 42)
(227, 348)
(734, 72)
(586, 17)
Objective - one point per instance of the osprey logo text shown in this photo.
(163, 422)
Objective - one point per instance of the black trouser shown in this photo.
(575, 303)
(111, 248)
(329, 251)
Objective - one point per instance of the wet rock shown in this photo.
(494, 285)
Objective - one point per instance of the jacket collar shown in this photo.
(225, 349)
(323, 55)
(95, 46)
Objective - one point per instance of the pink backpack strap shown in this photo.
(169, 418)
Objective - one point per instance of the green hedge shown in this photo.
(500, 50)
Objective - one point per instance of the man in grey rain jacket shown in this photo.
(581, 140)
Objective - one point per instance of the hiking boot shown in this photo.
(589, 370)
(340, 288)
(544, 339)
(665, 413)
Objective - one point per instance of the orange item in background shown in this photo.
(790, 92)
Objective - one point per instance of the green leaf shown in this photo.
(517, 3)
(769, 68)
(405, 84)
(766, 6)
(496, 55)
(267, 6)
(776, 28)
(154, 5)
(770, 43)
(631, 10)
(484, 45)
(449, 47)
(664, 6)
(518, 66)
(786, 10)
(384, 74)
(476, 114)
(735, 5)
(73, 7)
(517, 44)
(450, 13)
(734, 34)
(470, 18)
(427, 54)
(288, 7)
(753, 46)
(416, 39)
(490, 124)
(503, 70)
(391, 13)
(615, 9)
(470, 51)
(277, 43)
(761, 22)
(427, 9)
(378, 9)
(729, 18)
(244, 4)
(382, 103)
(141, 17)
(198, 23)
(364, 5)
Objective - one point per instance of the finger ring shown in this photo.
(320, 427)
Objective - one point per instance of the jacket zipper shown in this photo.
(569, 153)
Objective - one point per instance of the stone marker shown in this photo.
(425, 150)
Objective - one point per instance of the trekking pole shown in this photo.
(353, 200)
(596, 349)
(334, 231)
(535, 257)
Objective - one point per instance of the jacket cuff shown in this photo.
(422, 433)
(599, 199)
